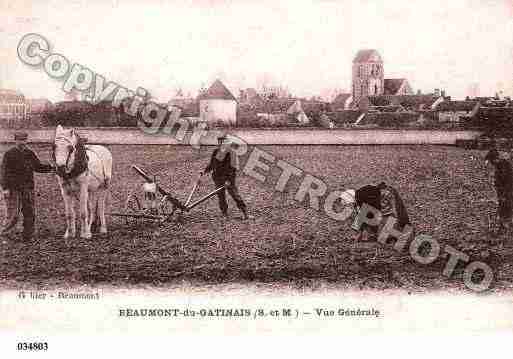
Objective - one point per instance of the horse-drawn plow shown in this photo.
(151, 202)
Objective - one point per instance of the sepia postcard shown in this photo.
(215, 168)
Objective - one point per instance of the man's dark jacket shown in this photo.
(18, 167)
(221, 170)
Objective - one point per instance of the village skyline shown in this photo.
(305, 47)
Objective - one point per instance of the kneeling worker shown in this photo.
(392, 205)
(223, 165)
(371, 196)
(384, 199)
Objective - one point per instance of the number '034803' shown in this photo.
(35, 346)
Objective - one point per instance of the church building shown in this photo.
(368, 78)
(368, 75)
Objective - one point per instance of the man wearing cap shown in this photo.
(17, 182)
(503, 174)
(223, 165)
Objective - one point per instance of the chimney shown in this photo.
(443, 93)
(437, 92)
(419, 92)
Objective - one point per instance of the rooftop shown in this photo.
(367, 55)
(457, 105)
(403, 100)
(391, 86)
(217, 91)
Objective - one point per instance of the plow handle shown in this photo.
(205, 197)
(192, 192)
(141, 173)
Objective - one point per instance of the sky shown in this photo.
(307, 46)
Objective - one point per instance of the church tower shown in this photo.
(368, 75)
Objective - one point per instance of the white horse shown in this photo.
(84, 174)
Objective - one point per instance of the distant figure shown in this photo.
(223, 166)
(17, 181)
(503, 174)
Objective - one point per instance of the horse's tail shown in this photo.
(107, 172)
(106, 182)
(93, 214)
(106, 179)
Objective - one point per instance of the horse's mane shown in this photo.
(81, 154)
(80, 163)
(81, 159)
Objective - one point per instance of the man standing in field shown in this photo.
(223, 165)
(17, 182)
(503, 182)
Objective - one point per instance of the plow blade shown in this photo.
(136, 215)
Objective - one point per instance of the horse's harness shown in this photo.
(73, 149)
(83, 165)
